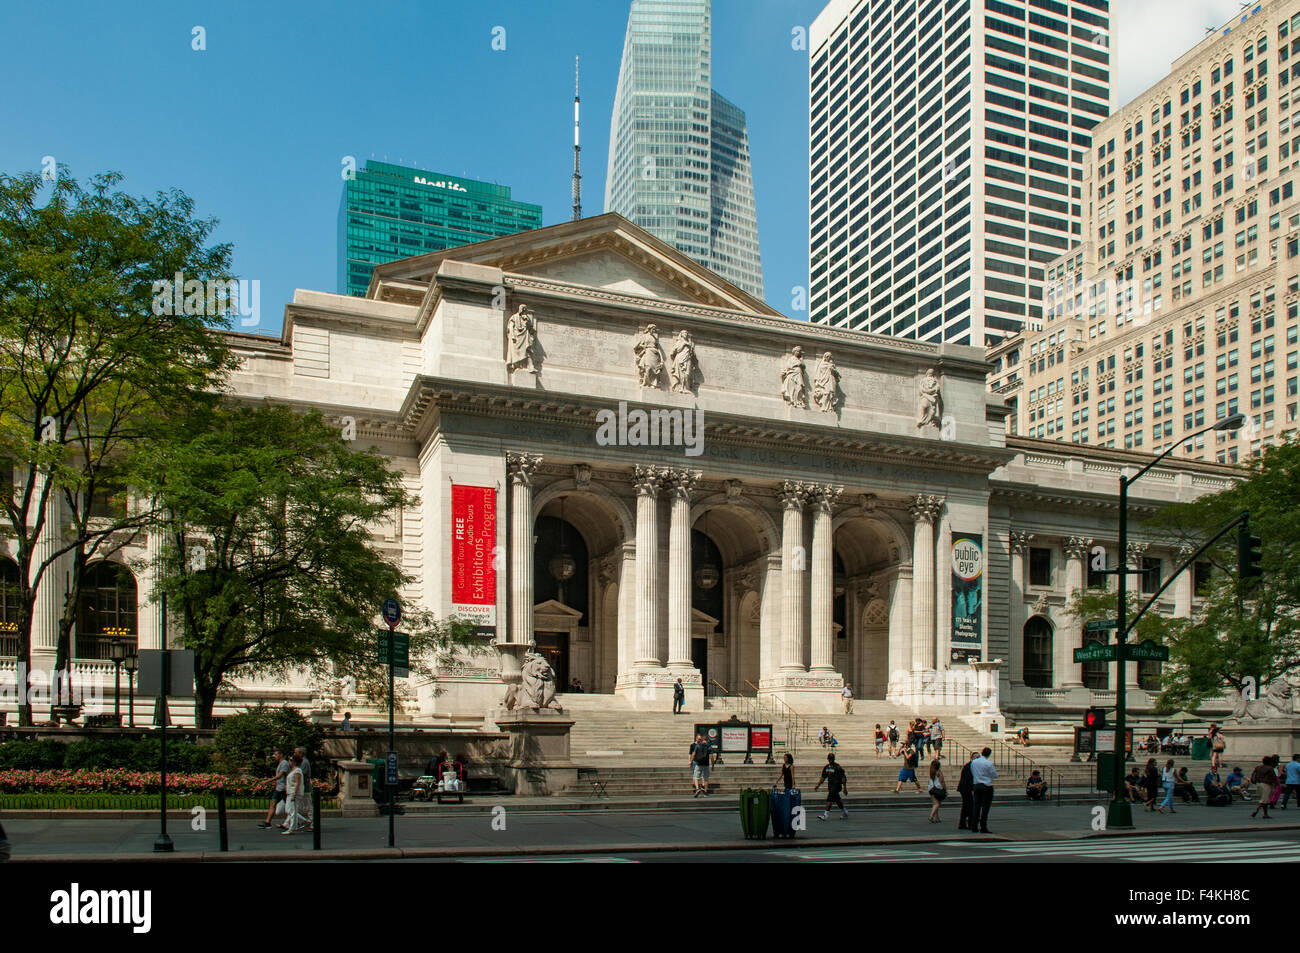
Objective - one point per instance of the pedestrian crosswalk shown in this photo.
(1180, 849)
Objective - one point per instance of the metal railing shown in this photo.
(763, 708)
(1013, 764)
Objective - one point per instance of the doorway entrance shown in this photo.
(554, 647)
(700, 659)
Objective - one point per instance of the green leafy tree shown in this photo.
(88, 371)
(1096, 604)
(245, 741)
(1242, 637)
(270, 563)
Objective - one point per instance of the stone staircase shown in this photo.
(635, 752)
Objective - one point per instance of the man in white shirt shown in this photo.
(983, 773)
(847, 694)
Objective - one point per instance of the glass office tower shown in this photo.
(678, 151)
(391, 211)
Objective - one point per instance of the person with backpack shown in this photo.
(679, 697)
(836, 783)
(701, 752)
(893, 738)
(880, 739)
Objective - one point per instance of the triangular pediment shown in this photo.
(552, 607)
(606, 252)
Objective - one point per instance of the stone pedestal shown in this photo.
(989, 687)
(1248, 742)
(355, 795)
(538, 762)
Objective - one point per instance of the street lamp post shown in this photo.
(131, 664)
(1120, 814)
(117, 652)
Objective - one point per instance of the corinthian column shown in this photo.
(1136, 550)
(1019, 553)
(925, 510)
(1071, 635)
(520, 467)
(149, 603)
(49, 604)
(679, 567)
(1183, 588)
(823, 588)
(648, 480)
(793, 562)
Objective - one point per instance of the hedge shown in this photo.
(137, 754)
(124, 781)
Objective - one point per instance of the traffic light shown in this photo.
(1094, 718)
(1248, 553)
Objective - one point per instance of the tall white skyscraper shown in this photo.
(946, 149)
(678, 151)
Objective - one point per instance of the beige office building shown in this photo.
(1180, 306)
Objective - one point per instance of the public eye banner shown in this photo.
(473, 540)
(967, 596)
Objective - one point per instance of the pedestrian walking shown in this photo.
(282, 769)
(966, 788)
(700, 762)
(936, 737)
(679, 697)
(824, 736)
(296, 819)
(1151, 782)
(1263, 777)
(1218, 744)
(1291, 777)
(787, 772)
(983, 774)
(1167, 781)
(847, 695)
(911, 758)
(893, 737)
(923, 731)
(937, 790)
(836, 783)
(301, 752)
(880, 739)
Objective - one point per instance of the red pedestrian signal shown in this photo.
(1094, 718)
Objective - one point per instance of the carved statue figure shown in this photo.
(649, 357)
(826, 385)
(684, 363)
(521, 335)
(794, 380)
(930, 400)
(1276, 702)
(536, 691)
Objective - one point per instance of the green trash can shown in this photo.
(755, 812)
(1200, 749)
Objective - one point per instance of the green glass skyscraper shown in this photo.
(391, 211)
(678, 151)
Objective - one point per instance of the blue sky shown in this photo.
(255, 127)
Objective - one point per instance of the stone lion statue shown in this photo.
(1277, 702)
(536, 691)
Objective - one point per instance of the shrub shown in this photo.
(135, 754)
(32, 755)
(244, 742)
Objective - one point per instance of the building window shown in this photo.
(1149, 675)
(1150, 575)
(1095, 675)
(1038, 653)
(1040, 567)
(107, 611)
(8, 607)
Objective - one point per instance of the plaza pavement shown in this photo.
(509, 827)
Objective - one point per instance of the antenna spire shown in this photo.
(577, 149)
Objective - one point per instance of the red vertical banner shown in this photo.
(473, 544)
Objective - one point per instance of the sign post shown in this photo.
(392, 615)
(165, 672)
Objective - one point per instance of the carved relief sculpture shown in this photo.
(794, 379)
(826, 385)
(649, 357)
(930, 400)
(684, 365)
(521, 335)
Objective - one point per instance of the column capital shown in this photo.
(824, 495)
(1185, 550)
(520, 467)
(682, 482)
(1076, 547)
(1020, 541)
(794, 495)
(926, 508)
(1137, 549)
(648, 479)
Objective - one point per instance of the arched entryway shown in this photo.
(868, 551)
(106, 611)
(9, 580)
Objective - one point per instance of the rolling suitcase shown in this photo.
(784, 804)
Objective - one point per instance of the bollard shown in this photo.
(315, 818)
(222, 832)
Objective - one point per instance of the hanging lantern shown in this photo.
(707, 575)
(562, 565)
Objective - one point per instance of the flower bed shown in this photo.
(125, 781)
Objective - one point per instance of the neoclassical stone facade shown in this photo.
(793, 528)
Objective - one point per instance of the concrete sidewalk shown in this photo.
(484, 830)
